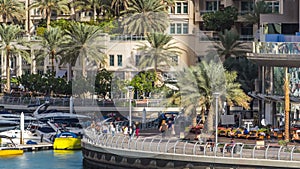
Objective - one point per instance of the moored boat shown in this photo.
(9, 149)
(67, 141)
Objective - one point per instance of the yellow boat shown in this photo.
(67, 141)
(10, 149)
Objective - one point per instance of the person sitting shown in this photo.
(210, 144)
(230, 146)
(231, 133)
(245, 131)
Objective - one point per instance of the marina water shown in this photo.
(49, 159)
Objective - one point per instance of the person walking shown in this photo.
(163, 128)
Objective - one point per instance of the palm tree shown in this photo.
(260, 7)
(159, 52)
(84, 42)
(11, 43)
(87, 5)
(11, 10)
(143, 16)
(197, 85)
(247, 72)
(229, 45)
(47, 6)
(119, 5)
(52, 40)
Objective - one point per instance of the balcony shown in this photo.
(279, 54)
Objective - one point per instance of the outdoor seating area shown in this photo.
(255, 133)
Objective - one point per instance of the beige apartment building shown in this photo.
(186, 27)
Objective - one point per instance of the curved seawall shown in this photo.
(141, 154)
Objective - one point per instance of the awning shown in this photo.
(273, 98)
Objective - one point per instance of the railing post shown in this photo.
(241, 151)
(223, 152)
(111, 141)
(194, 148)
(143, 143)
(292, 151)
(135, 144)
(204, 150)
(150, 147)
(232, 150)
(107, 138)
(266, 152)
(278, 155)
(166, 147)
(123, 142)
(117, 145)
(253, 152)
(184, 147)
(175, 146)
(128, 145)
(158, 146)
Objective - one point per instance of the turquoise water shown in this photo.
(44, 159)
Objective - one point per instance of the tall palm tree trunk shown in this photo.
(48, 16)
(52, 64)
(94, 13)
(7, 71)
(287, 107)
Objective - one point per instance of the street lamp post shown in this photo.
(216, 95)
(130, 88)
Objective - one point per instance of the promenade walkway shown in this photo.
(269, 155)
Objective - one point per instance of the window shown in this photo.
(246, 7)
(246, 33)
(185, 28)
(212, 5)
(119, 60)
(137, 59)
(111, 60)
(273, 6)
(179, 28)
(181, 8)
(172, 28)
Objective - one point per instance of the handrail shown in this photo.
(175, 146)
(143, 143)
(135, 144)
(194, 148)
(161, 145)
(266, 152)
(151, 144)
(292, 151)
(184, 147)
(278, 154)
(166, 148)
(123, 142)
(253, 151)
(117, 145)
(158, 146)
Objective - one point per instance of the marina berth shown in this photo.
(67, 141)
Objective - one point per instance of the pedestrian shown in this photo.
(137, 131)
(130, 132)
(163, 128)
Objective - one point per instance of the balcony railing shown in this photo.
(291, 48)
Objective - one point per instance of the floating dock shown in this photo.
(36, 147)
